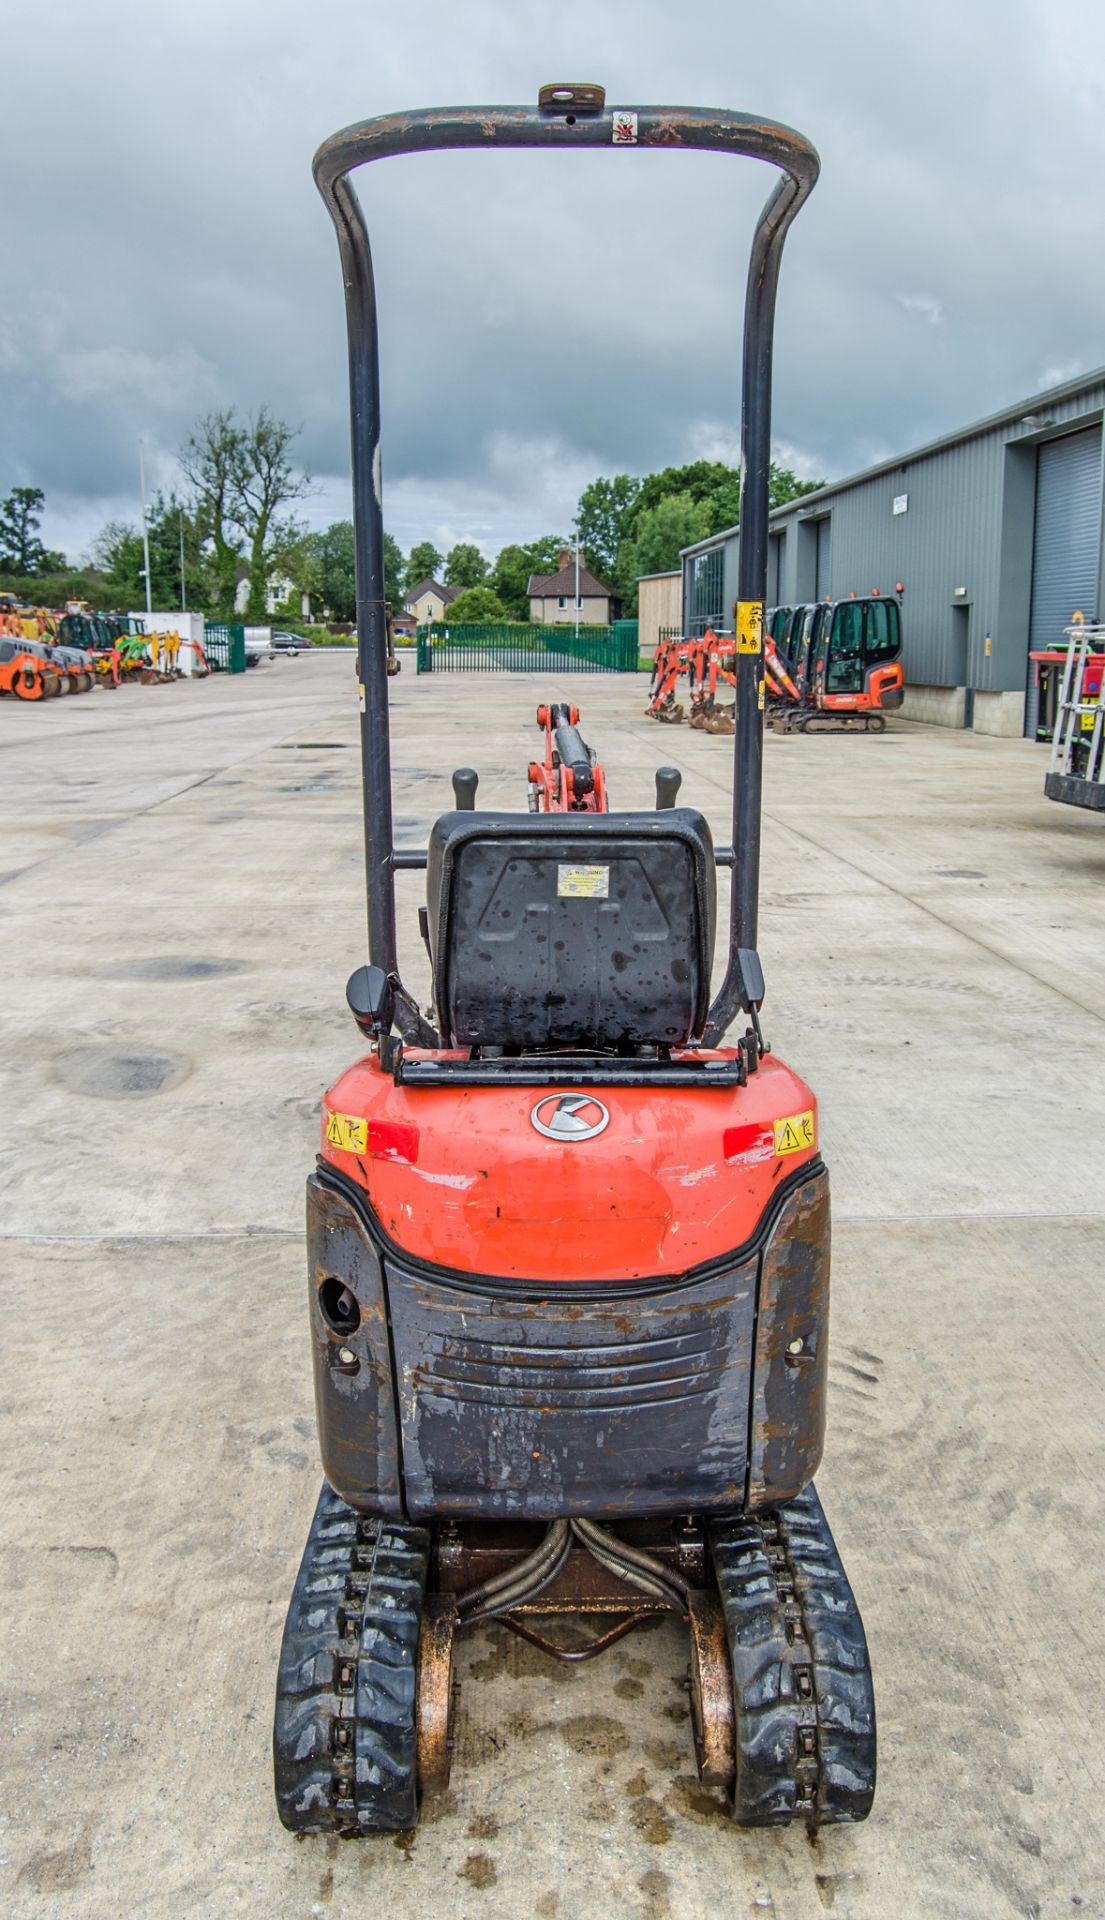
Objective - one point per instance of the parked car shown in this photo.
(289, 643)
(258, 645)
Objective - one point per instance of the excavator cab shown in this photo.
(857, 657)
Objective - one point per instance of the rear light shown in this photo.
(392, 1140)
(751, 1139)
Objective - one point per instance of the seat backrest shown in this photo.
(571, 932)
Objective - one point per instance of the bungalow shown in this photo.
(428, 601)
(553, 597)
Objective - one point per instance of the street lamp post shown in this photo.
(145, 526)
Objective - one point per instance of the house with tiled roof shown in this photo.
(553, 597)
(429, 600)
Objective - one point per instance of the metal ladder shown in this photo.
(1075, 716)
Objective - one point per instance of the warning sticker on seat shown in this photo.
(346, 1132)
(795, 1134)
(583, 883)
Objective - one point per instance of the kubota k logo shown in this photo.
(569, 1117)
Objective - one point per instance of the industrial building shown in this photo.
(994, 534)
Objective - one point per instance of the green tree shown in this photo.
(117, 552)
(783, 485)
(173, 530)
(243, 476)
(718, 487)
(475, 607)
(394, 570)
(264, 481)
(676, 521)
(512, 569)
(119, 556)
(210, 458)
(602, 520)
(709, 481)
(21, 550)
(299, 562)
(423, 562)
(54, 589)
(465, 566)
(334, 558)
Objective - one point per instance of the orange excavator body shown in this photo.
(461, 1179)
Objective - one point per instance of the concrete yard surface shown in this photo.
(181, 901)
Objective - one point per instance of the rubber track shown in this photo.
(344, 1734)
(802, 1676)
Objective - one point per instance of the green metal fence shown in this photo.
(224, 643)
(528, 649)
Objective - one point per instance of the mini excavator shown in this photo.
(567, 1237)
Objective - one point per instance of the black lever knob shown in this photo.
(668, 782)
(465, 782)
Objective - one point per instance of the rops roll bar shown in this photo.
(566, 117)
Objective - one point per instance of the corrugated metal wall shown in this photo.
(823, 576)
(967, 523)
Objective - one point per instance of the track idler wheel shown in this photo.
(712, 1712)
(437, 1691)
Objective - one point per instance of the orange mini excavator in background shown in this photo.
(842, 666)
(569, 779)
(568, 1236)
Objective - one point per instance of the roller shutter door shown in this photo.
(1066, 544)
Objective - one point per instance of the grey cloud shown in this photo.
(540, 321)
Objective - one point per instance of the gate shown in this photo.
(443, 648)
(224, 643)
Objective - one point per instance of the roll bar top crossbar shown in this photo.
(568, 117)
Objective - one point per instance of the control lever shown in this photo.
(668, 782)
(465, 782)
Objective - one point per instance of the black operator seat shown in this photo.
(571, 932)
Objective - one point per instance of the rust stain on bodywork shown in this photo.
(789, 1377)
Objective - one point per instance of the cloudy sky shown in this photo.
(543, 318)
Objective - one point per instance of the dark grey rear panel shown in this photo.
(629, 1405)
(439, 1399)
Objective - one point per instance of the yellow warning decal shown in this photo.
(361, 696)
(796, 1133)
(1086, 722)
(760, 696)
(750, 626)
(346, 1132)
(583, 883)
